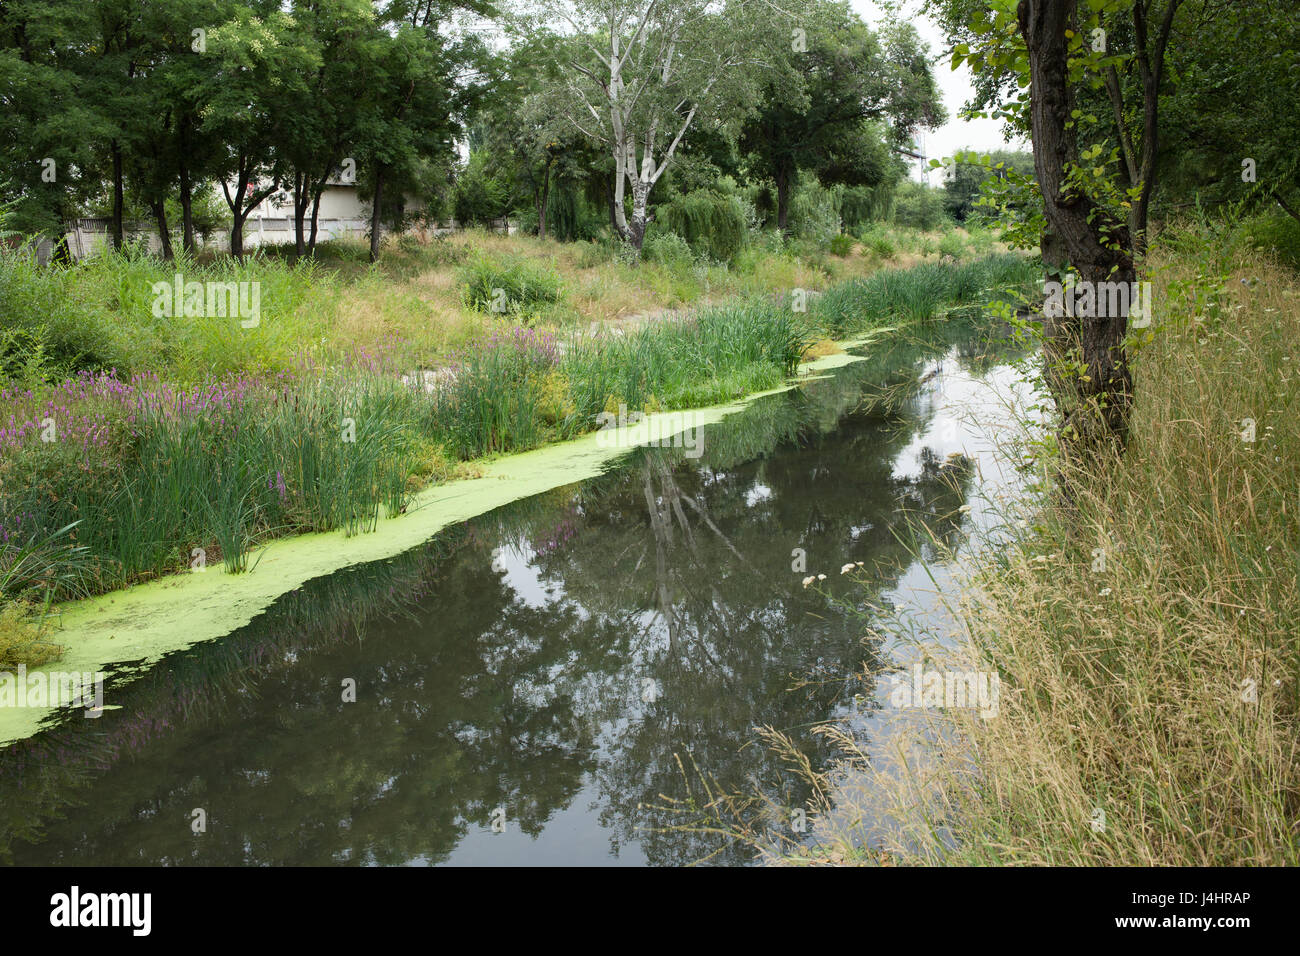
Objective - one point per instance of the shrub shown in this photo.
(45, 312)
(1278, 233)
(841, 244)
(509, 286)
(666, 248)
(479, 196)
(951, 245)
(879, 241)
(814, 212)
(597, 253)
(918, 206)
(713, 224)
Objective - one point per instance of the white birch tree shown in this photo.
(638, 74)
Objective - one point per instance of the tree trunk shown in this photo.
(375, 214)
(609, 198)
(187, 214)
(783, 177)
(1094, 405)
(541, 206)
(300, 181)
(118, 236)
(636, 226)
(315, 214)
(164, 236)
(187, 190)
(237, 236)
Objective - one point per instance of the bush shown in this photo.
(510, 286)
(45, 319)
(479, 197)
(713, 224)
(667, 248)
(841, 245)
(879, 241)
(592, 254)
(918, 206)
(951, 245)
(862, 205)
(1280, 234)
(814, 212)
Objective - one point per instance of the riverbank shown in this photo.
(1145, 639)
(108, 482)
(142, 623)
(489, 659)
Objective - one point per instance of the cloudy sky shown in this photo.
(956, 88)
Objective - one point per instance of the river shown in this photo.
(566, 679)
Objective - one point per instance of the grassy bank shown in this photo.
(1146, 639)
(107, 479)
(420, 302)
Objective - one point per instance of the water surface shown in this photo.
(556, 681)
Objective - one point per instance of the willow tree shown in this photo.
(640, 74)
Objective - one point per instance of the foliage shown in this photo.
(838, 101)
(509, 287)
(712, 224)
(479, 197)
(918, 206)
(667, 248)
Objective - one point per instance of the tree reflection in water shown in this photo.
(554, 658)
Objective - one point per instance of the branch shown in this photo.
(1117, 108)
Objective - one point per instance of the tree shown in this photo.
(259, 67)
(1248, 58)
(48, 131)
(422, 85)
(823, 107)
(344, 38)
(969, 172)
(640, 75)
(523, 140)
(1063, 59)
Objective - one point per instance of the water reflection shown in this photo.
(547, 671)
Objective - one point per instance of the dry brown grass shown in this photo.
(426, 313)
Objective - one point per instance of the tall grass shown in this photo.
(99, 314)
(1146, 633)
(509, 286)
(174, 478)
(917, 294)
(720, 353)
(148, 476)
